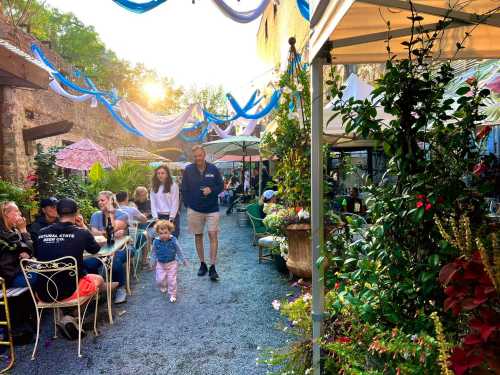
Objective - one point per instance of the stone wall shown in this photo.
(23, 108)
(26, 108)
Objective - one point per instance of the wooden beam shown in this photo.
(470, 18)
(397, 33)
(15, 70)
(47, 130)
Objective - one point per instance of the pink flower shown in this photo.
(420, 204)
(428, 206)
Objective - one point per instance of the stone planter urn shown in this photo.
(299, 250)
(299, 261)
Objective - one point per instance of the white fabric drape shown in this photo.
(155, 127)
(222, 133)
(250, 128)
(58, 89)
(241, 17)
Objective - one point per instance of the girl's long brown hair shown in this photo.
(155, 182)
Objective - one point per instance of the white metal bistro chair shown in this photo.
(48, 272)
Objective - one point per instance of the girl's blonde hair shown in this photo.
(3, 210)
(110, 196)
(138, 190)
(164, 224)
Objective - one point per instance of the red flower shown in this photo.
(483, 132)
(420, 196)
(420, 204)
(337, 285)
(343, 340)
(471, 81)
(440, 200)
(479, 169)
(428, 206)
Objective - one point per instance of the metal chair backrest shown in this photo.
(48, 272)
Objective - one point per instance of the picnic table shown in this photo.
(105, 256)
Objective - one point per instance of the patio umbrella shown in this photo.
(240, 145)
(83, 154)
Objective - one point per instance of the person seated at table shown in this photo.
(15, 244)
(48, 215)
(354, 202)
(68, 237)
(268, 197)
(142, 202)
(134, 215)
(108, 210)
(235, 188)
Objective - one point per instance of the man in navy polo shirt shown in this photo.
(201, 185)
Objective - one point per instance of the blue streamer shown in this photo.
(111, 110)
(38, 52)
(273, 103)
(303, 6)
(139, 7)
(194, 127)
(222, 119)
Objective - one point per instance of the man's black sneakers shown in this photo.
(203, 269)
(213, 273)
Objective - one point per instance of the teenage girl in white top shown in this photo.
(164, 197)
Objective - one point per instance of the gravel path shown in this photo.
(214, 328)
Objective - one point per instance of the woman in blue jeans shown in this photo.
(108, 209)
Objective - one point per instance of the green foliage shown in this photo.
(87, 208)
(291, 140)
(46, 171)
(24, 198)
(213, 99)
(126, 177)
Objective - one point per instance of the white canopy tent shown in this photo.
(333, 128)
(354, 32)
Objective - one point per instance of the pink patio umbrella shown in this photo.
(83, 154)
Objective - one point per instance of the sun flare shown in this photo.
(154, 91)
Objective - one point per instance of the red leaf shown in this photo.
(447, 272)
(472, 339)
(486, 331)
(469, 304)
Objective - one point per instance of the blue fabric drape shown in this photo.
(140, 8)
(60, 77)
(244, 16)
(273, 103)
(111, 110)
(222, 119)
(303, 6)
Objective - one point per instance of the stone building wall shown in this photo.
(26, 108)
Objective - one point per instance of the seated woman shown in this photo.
(108, 209)
(235, 188)
(142, 202)
(15, 244)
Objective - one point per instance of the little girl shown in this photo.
(165, 251)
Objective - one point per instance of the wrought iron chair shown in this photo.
(48, 272)
(259, 229)
(139, 241)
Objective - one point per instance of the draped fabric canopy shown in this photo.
(155, 127)
(138, 7)
(83, 154)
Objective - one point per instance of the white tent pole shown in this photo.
(317, 239)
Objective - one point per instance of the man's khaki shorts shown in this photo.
(197, 220)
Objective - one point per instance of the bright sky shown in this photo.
(193, 44)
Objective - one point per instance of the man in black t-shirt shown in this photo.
(68, 237)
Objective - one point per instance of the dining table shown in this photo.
(105, 255)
